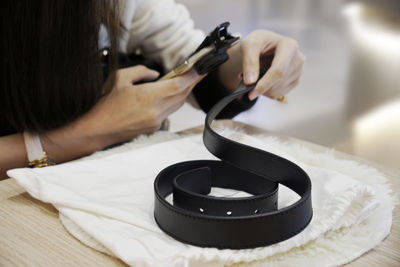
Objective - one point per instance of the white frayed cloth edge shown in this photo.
(334, 247)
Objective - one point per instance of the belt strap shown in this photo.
(236, 223)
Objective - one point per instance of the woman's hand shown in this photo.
(282, 76)
(129, 109)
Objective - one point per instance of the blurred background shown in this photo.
(349, 95)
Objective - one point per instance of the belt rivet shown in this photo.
(228, 212)
(201, 210)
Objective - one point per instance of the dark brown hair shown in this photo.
(50, 70)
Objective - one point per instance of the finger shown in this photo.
(187, 92)
(282, 89)
(134, 74)
(176, 85)
(294, 72)
(170, 106)
(279, 89)
(284, 54)
(167, 102)
(172, 100)
(171, 109)
(288, 88)
(251, 61)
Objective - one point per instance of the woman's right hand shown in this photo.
(130, 110)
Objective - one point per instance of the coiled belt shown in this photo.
(236, 223)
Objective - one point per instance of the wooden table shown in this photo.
(32, 235)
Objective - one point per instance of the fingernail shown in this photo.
(187, 78)
(253, 95)
(193, 75)
(250, 77)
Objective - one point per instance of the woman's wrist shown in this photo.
(71, 141)
(67, 143)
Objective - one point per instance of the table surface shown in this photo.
(32, 235)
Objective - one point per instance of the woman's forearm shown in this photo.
(126, 112)
(12, 153)
(71, 142)
(61, 145)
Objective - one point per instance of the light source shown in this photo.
(374, 84)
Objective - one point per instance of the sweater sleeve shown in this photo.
(161, 29)
(164, 31)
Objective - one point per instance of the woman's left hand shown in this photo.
(285, 70)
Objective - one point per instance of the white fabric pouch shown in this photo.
(106, 201)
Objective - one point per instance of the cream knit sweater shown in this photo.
(161, 29)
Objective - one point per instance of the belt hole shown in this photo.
(256, 211)
(201, 210)
(228, 212)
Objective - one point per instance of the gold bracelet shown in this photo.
(42, 162)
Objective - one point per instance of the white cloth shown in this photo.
(106, 201)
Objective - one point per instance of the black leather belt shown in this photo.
(234, 223)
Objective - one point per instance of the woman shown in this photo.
(52, 84)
